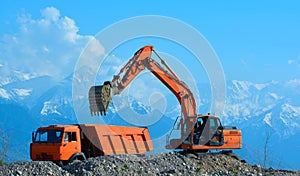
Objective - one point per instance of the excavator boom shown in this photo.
(100, 96)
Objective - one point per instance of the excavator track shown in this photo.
(199, 154)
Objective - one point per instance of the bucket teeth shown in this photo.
(99, 98)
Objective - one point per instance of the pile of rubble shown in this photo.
(160, 164)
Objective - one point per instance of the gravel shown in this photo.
(161, 164)
(25, 168)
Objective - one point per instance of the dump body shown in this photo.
(69, 142)
(116, 139)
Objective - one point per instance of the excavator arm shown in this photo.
(100, 96)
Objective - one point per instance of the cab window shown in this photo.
(48, 136)
(214, 124)
(70, 137)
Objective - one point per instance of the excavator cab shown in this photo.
(208, 131)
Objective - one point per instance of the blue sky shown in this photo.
(257, 41)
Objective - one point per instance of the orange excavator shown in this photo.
(198, 133)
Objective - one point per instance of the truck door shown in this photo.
(71, 145)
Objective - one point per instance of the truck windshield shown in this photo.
(48, 136)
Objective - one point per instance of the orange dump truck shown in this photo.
(65, 143)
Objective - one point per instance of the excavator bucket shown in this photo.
(99, 98)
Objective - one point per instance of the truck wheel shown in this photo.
(77, 157)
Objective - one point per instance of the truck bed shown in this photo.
(101, 139)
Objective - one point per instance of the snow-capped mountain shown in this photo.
(14, 76)
(274, 104)
(261, 110)
(26, 104)
(29, 101)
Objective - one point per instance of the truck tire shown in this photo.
(77, 156)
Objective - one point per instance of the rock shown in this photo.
(19, 172)
(257, 165)
(159, 164)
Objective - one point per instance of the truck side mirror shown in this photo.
(32, 136)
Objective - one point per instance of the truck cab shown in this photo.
(56, 143)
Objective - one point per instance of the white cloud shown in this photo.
(49, 45)
(50, 13)
(91, 53)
